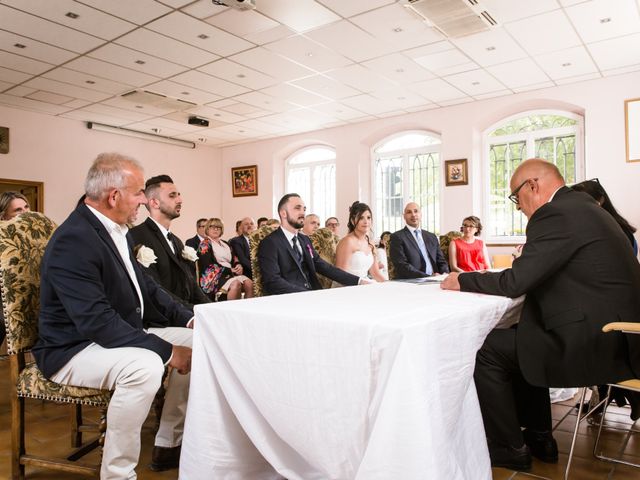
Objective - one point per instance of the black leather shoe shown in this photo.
(510, 457)
(542, 444)
(165, 458)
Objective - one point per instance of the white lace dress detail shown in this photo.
(359, 265)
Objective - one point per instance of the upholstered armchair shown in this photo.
(254, 242)
(22, 244)
(324, 241)
(445, 240)
(390, 267)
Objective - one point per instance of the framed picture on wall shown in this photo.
(33, 191)
(455, 172)
(244, 181)
(632, 129)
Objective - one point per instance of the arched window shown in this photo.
(551, 135)
(311, 173)
(406, 167)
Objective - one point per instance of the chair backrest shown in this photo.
(445, 240)
(502, 261)
(254, 242)
(22, 244)
(390, 267)
(325, 242)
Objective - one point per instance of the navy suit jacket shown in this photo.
(281, 273)
(240, 249)
(86, 295)
(193, 242)
(407, 260)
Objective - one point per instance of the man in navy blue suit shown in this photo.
(240, 245)
(415, 252)
(106, 324)
(288, 262)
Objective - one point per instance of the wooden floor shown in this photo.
(48, 430)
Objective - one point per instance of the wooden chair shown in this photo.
(22, 244)
(254, 242)
(502, 261)
(633, 385)
(390, 267)
(324, 241)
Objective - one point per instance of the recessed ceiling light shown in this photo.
(566, 64)
(156, 130)
(397, 29)
(217, 115)
(140, 62)
(202, 140)
(399, 70)
(475, 83)
(71, 15)
(203, 36)
(185, 93)
(241, 75)
(490, 49)
(19, 45)
(240, 131)
(309, 54)
(605, 20)
(139, 106)
(90, 82)
(402, 98)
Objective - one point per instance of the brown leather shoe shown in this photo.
(165, 458)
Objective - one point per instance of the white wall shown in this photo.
(59, 151)
(600, 101)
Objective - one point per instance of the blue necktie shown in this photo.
(423, 250)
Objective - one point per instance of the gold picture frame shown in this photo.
(244, 181)
(455, 172)
(632, 129)
(34, 191)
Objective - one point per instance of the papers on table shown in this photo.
(423, 280)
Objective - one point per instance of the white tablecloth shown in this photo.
(368, 382)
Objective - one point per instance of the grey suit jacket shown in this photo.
(406, 256)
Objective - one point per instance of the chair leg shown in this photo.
(76, 423)
(17, 437)
(575, 432)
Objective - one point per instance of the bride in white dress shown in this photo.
(355, 253)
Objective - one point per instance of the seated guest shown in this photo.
(355, 252)
(173, 268)
(597, 191)
(240, 245)
(194, 241)
(383, 262)
(558, 340)
(332, 223)
(469, 253)
(414, 252)
(218, 271)
(311, 224)
(106, 324)
(287, 259)
(262, 221)
(273, 222)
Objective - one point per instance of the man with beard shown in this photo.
(287, 259)
(172, 269)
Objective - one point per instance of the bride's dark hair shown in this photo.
(356, 211)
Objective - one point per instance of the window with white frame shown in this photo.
(311, 173)
(551, 135)
(406, 167)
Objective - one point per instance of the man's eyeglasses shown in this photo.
(201, 226)
(514, 195)
(333, 224)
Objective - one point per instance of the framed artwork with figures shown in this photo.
(455, 172)
(244, 181)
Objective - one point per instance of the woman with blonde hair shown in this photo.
(12, 204)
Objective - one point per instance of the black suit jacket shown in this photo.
(240, 249)
(174, 273)
(407, 259)
(281, 273)
(193, 242)
(86, 295)
(578, 273)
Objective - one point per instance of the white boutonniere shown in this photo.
(189, 253)
(145, 256)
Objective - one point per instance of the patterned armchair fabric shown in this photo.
(390, 267)
(325, 242)
(254, 241)
(445, 240)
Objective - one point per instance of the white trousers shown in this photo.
(134, 374)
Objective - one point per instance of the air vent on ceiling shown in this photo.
(453, 18)
(158, 100)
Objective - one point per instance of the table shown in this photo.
(367, 382)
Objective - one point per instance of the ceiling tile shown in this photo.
(430, 49)
(401, 97)
(398, 68)
(602, 19)
(338, 110)
(29, 104)
(11, 76)
(616, 52)
(499, 93)
(350, 41)
(215, 114)
(295, 95)
(441, 60)
(167, 48)
(88, 20)
(558, 33)
(210, 84)
(204, 9)
(621, 71)
(239, 108)
(23, 64)
(87, 81)
(456, 101)
(270, 35)
(354, 7)
(262, 126)
(326, 87)
(20, 90)
(25, 24)
(518, 73)
(360, 78)
(271, 64)
(199, 34)
(397, 26)
(188, 94)
(117, 112)
(178, 123)
(33, 49)
(490, 47)
(265, 102)
(66, 89)
(566, 63)
(126, 104)
(308, 53)
(285, 120)
(437, 90)
(4, 86)
(507, 10)
(242, 23)
(49, 97)
(370, 104)
(77, 103)
(475, 82)
(176, 3)
(139, 12)
(153, 128)
(125, 57)
(578, 78)
(535, 86)
(86, 116)
(110, 71)
(234, 72)
(300, 15)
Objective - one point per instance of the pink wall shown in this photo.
(461, 127)
(59, 151)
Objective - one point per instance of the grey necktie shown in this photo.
(296, 249)
(423, 250)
